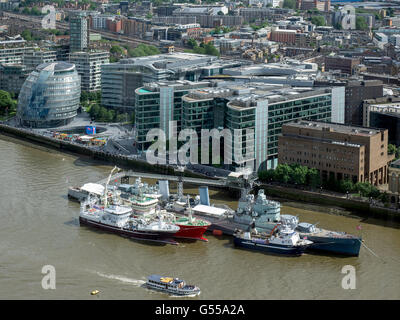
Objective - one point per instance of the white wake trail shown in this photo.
(135, 282)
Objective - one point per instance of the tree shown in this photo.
(192, 43)
(346, 186)
(116, 50)
(391, 149)
(289, 4)
(361, 24)
(7, 104)
(313, 178)
(299, 175)
(318, 21)
(27, 35)
(266, 175)
(143, 50)
(283, 173)
(366, 189)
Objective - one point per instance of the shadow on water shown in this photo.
(74, 222)
(263, 252)
(86, 161)
(139, 241)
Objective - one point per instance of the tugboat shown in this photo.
(171, 285)
(285, 241)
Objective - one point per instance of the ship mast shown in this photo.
(180, 169)
(106, 187)
(246, 182)
(190, 210)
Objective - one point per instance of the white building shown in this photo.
(88, 65)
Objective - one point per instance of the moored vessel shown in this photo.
(325, 240)
(285, 241)
(189, 226)
(118, 219)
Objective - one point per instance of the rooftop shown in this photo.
(56, 66)
(247, 94)
(335, 127)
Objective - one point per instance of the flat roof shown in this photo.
(334, 127)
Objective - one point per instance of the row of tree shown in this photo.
(103, 114)
(203, 48)
(302, 175)
(143, 50)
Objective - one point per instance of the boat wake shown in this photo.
(134, 282)
(181, 297)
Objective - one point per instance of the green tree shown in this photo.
(318, 21)
(7, 104)
(35, 11)
(299, 175)
(289, 4)
(391, 149)
(27, 35)
(366, 189)
(283, 173)
(266, 175)
(361, 24)
(116, 50)
(313, 178)
(346, 186)
(192, 43)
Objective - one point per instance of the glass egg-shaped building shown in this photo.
(50, 96)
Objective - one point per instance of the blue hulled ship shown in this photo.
(285, 242)
(265, 214)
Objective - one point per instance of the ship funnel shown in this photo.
(164, 189)
(204, 197)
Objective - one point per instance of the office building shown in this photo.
(344, 64)
(119, 80)
(338, 151)
(356, 93)
(220, 105)
(159, 103)
(383, 113)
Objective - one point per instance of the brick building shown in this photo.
(337, 151)
(356, 93)
(283, 35)
(344, 64)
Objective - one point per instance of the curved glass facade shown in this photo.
(50, 96)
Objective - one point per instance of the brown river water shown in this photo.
(39, 226)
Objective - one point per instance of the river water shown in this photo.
(39, 226)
